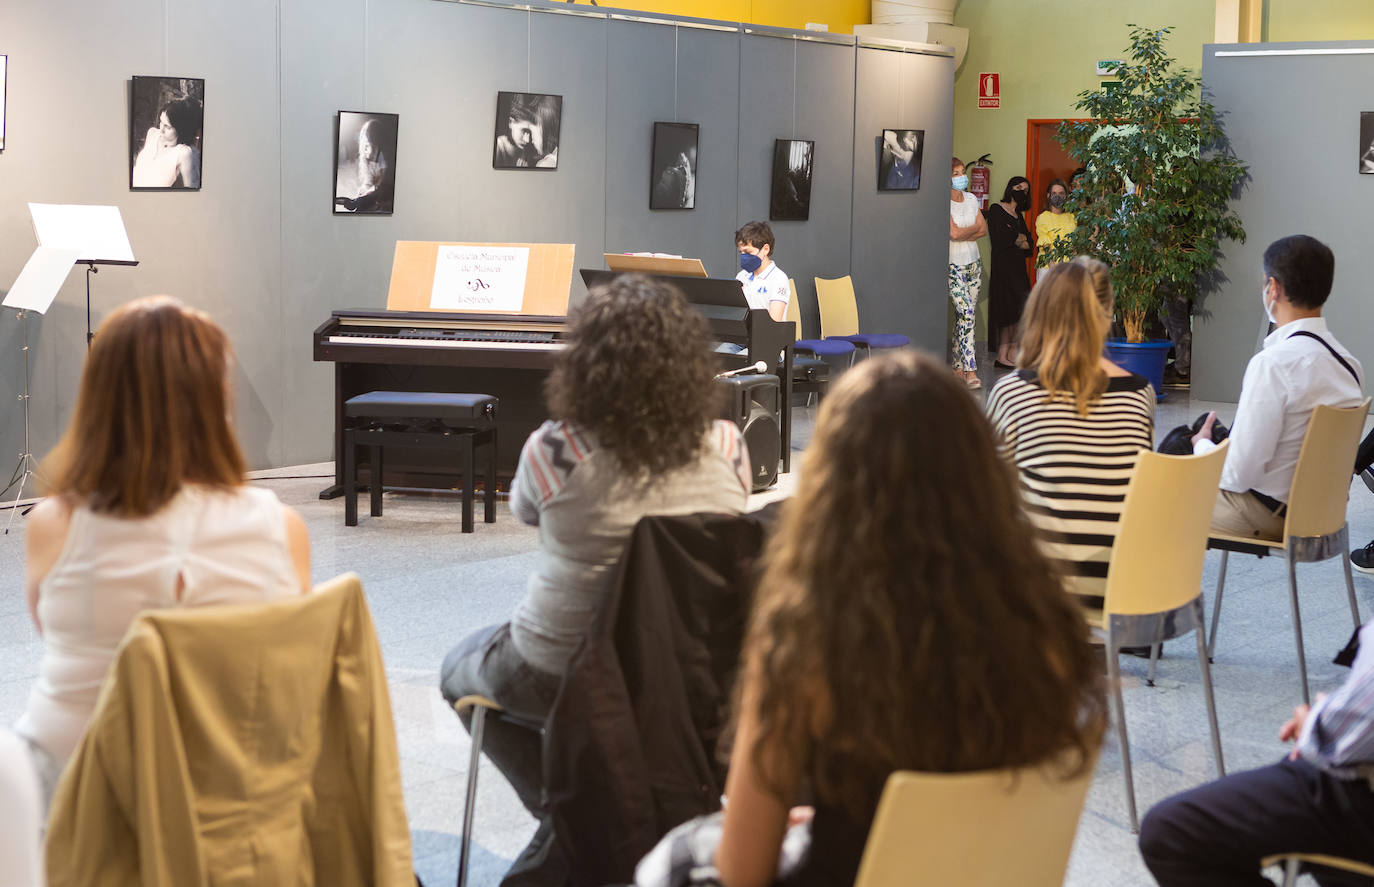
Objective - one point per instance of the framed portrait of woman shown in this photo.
(673, 169)
(365, 163)
(528, 125)
(166, 133)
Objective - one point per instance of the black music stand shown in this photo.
(96, 232)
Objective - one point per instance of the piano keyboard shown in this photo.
(449, 342)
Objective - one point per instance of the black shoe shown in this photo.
(1138, 652)
(1362, 559)
(1368, 477)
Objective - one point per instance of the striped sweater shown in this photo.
(1074, 469)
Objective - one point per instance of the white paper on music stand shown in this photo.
(43, 275)
(96, 232)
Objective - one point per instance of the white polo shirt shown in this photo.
(769, 286)
(1283, 384)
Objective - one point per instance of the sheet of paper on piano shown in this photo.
(490, 279)
(655, 263)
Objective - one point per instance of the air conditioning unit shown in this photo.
(917, 21)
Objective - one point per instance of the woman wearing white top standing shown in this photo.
(966, 225)
(148, 509)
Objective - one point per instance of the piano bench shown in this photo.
(460, 422)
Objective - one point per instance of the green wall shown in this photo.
(1294, 20)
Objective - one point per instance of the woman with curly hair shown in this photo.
(906, 620)
(632, 399)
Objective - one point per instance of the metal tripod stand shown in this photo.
(27, 466)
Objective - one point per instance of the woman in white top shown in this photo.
(148, 509)
(966, 225)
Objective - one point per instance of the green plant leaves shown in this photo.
(1158, 133)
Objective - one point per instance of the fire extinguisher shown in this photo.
(980, 180)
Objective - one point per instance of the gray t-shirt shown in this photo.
(585, 509)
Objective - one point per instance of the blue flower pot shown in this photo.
(1142, 358)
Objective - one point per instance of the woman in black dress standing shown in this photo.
(1009, 284)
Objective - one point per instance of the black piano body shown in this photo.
(505, 355)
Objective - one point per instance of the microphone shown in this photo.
(758, 367)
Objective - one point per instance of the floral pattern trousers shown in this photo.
(965, 282)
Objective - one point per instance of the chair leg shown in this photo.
(1297, 624)
(469, 479)
(1350, 587)
(489, 494)
(375, 487)
(1114, 678)
(1207, 687)
(1216, 606)
(1156, 650)
(479, 719)
(350, 480)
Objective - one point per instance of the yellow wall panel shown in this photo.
(840, 15)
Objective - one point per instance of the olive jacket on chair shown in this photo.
(238, 745)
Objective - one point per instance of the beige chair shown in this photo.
(1154, 579)
(1314, 525)
(840, 316)
(793, 309)
(1292, 862)
(481, 708)
(984, 829)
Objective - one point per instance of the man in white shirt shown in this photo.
(1300, 367)
(765, 284)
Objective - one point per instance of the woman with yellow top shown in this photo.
(1054, 222)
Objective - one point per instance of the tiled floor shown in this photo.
(428, 586)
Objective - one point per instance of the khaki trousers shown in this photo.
(1240, 514)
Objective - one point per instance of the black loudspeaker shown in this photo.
(751, 402)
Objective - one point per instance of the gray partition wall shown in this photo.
(1292, 112)
(259, 248)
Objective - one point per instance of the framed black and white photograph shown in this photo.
(4, 69)
(1366, 143)
(899, 164)
(166, 133)
(365, 163)
(527, 128)
(790, 198)
(673, 180)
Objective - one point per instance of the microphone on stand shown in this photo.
(758, 367)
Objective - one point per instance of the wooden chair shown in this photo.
(1154, 579)
(1314, 525)
(985, 829)
(1292, 863)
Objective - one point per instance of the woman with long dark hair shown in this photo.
(633, 433)
(1008, 285)
(905, 620)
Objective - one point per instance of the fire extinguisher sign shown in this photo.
(989, 90)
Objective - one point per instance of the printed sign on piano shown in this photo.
(480, 278)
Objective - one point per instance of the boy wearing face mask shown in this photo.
(1300, 367)
(765, 284)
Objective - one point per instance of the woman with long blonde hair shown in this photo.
(1073, 422)
(906, 620)
(148, 508)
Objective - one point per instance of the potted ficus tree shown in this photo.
(1153, 201)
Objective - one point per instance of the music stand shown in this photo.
(34, 290)
(95, 232)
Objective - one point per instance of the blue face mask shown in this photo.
(960, 183)
(749, 262)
